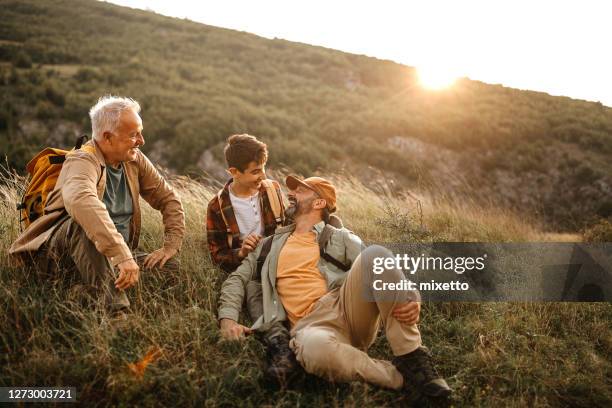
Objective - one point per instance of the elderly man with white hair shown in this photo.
(91, 223)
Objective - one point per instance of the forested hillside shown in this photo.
(319, 109)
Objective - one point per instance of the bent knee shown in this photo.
(370, 254)
(315, 349)
(377, 251)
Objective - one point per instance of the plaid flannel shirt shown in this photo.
(217, 232)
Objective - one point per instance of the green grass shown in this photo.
(492, 354)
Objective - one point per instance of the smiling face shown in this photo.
(303, 200)
(251, 177)
(123, 144)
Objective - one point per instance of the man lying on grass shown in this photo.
(325, 294)
(91, 222)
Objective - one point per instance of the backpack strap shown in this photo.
(230, 236)
(60, 159)
(275, 202)
(79, 142)
(325, 236)
(335, 221)
(56, 159)
(261, 259)
(323, 240)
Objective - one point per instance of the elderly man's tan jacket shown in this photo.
(79, 192)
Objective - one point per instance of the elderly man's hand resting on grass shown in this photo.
(159, 257)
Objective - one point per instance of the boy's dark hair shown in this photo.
(240, 150)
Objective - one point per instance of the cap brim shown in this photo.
(293, 182)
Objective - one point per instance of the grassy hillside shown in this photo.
(548, 157)
(508, 354)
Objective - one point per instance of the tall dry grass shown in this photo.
(509, 354)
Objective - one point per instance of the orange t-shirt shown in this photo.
(298, 279)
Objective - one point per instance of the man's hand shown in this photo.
(407, 313)
(230, 330)
(159, 256)
(128, 274)
(249, 244)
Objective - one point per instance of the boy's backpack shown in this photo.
(43, 170)
(334, 223)
(275, 204)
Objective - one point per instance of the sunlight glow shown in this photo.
(436, 78)
(522, 44)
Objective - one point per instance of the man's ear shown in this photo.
(106, 136)
(319, 203)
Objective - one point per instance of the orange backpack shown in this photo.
(43, 170)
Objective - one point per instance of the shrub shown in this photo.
(599, 232)
(86, 75)
(55, 96)
(4, 120)
(22, 60)
(585, 174)
(605, 209)
(44, 110)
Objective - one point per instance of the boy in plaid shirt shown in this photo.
(237, 218)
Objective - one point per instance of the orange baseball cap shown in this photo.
(324, 188)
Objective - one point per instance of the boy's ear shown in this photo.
(233, 171)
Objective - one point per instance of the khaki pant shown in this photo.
(68, 252)
(331, 341)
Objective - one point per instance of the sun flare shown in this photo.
(436, 78)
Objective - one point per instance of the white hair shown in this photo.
(105, 114)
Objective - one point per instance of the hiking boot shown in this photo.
(281, 364)
(419, 372)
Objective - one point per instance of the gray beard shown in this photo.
(295, 209)
(290, 213)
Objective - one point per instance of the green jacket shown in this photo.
(343, 246)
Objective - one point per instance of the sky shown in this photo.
(559, 47)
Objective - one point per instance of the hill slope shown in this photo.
(318, 108)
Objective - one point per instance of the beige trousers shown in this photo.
(331, 341)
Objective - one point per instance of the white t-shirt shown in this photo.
(248, 214)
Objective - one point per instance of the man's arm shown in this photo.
(79, 192)
(234, 287)
(161, 196)
(232, 295)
